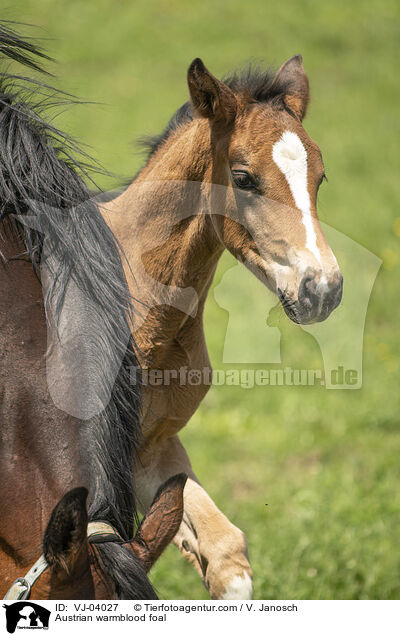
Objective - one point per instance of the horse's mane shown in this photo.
(252, 82)
(41, 177)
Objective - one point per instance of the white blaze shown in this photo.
(290, 156)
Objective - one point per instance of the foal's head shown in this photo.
(271, 171)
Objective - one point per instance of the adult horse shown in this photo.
(72, 428)
(233, 169)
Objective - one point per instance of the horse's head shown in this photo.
(77, 567)
(271, 171)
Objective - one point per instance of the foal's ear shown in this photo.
(210, 97)
(66, 532)
(298, 93)
(162, 521)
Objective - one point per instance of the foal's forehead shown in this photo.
(261, 127)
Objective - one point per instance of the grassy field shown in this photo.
(326, 462)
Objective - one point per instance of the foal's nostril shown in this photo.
(308, 292)
(318, 296)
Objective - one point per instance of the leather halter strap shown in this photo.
(97, 532)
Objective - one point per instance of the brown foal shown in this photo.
(235, 169)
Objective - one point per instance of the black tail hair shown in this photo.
(39, 173)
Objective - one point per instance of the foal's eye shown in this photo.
(243, 180)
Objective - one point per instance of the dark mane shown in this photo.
(22, 51)
(41, 178)
(252, 82)
(257, 84)
(124, 569)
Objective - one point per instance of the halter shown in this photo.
(21, 588)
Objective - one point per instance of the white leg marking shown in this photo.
(239, 589)
(290, 156)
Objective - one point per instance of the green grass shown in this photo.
(326, 462)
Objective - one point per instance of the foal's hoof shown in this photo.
(240, 588)
(230, 583)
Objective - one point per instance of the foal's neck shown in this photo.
(166, 236)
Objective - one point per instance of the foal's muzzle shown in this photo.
(316, 299)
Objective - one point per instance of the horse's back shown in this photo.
(32, 459)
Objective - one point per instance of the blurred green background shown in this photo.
(326, 462)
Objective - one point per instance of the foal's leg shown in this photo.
(216, 547)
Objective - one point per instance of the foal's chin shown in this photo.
(300, 316)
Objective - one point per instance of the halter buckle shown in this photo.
(23, 594)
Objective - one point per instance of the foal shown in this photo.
(234, 169)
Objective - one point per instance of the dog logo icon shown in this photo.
(26, 615)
